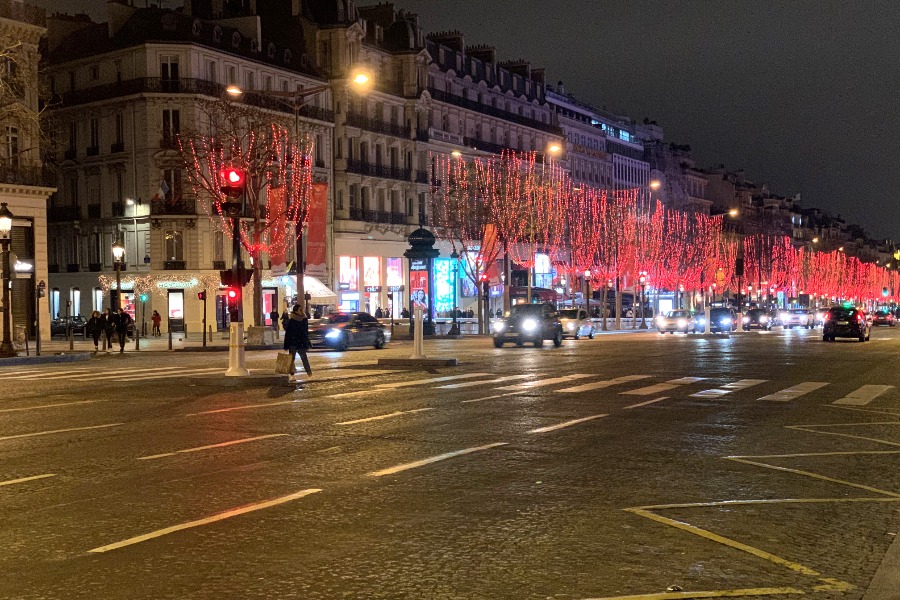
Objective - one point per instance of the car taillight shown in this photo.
(860, 318)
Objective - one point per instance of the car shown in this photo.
(342, 330)
(675, 320)
(797, 317)
(575, 323)
(820, 317)
(721, 320)
(846, 322)
(883, 317)
(758, 318)
(60, 326)
(529, 323)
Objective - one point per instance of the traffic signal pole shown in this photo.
(236, 358)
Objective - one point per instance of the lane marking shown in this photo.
(42, 374)
(490, 397)
(433, 459)
(454, 386)
(25, 435)
(566, 424)
(864, 395)
(381, 417)
(719, 503)
(651, 389)
(392, 386)
(709, 594)
(796, 391)
(810, 454)
(220, 445)
(85, 372)
(47, 406)
(815, 476)
(141, 377)
(199, 522)
(244, 407)
(640, 404)
(24, 479)
(686, 380)
(728, 388)
(597, 385)
(848, 435)
(353, 394)
(544, 382)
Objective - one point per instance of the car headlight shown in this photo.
(499, 326)
(784, 317)
(764, 319)
(725, 321)
(701, 321)
(746, 319)
(529, 325)
(682, 322)
(333, 334)
(570, 326)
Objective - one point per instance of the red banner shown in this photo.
(317, 219)
(278, 238)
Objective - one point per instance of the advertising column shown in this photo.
(394, 282)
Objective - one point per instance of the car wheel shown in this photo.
(577, 336)
(862, 338)
(520, 344)
(498, 343)
(342, 344)
(539, 341)
(557, 340)
(826, 338)
(379, 341)
(591, 334)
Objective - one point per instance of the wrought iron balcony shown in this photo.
(118, 209)
(376, 125)
(61, 214)
(27, 175)
(173, 207)
(356, 213)
(174, 265)
(362, 167)
(92, 151)
(93, 211)
(219, 265)
(442, 96)
(117, 147)
(421, 176)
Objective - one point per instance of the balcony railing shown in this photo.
(174, 265)
(376, 125)
(18, 11)
(398, 218)
(421, 176)
(70, 154)
(173, 207)
(117, 147)
(22, 175)
(94, 267)
(158, 85)
(73, 268)
(496, 148)
(362, 167)
(219, 265)
(92, 151)
(442, 96)
(356, 213)
(169, 142)
(118, 209)
(93, 211)
(62, 214)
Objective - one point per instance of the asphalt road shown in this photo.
(762, 465)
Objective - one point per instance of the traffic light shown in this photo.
(228, 280)
(144, 297)
(201, 295)
(233, 182)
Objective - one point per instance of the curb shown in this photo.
(886, 582)
(41, 360)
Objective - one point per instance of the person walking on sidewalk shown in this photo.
(109, 326)
(123, 320)
(296, 336)
(157, 319)
(95, 326)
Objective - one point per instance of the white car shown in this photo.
(575, 323)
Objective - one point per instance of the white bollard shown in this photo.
(236, 363)
(418, 335)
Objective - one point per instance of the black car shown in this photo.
(883, 317)
(757, 318)
(339, 331)
(529, 323)
(60, 326)
(847, 322)
(721, 320)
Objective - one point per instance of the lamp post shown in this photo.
(118, 250)
(454, 329)
(587, 295)
(643, 280)
(361, 81)
(6, 347)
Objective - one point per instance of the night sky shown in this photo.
(801, 94)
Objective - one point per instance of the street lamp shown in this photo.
(361, 81)
(6, 348)
(587, 296)
(643, 281)
(118, 250)
(454, 329)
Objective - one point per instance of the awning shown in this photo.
(318, 291)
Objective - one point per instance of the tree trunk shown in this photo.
(257, 291)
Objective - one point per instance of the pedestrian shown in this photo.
(123, 320)
(284, 319)
(157, 319)
(273, 316)
(404, 314)
(470, 314)
(109, 326)
(296, 336)
(378, 313)
(499, 313)
(94, 328)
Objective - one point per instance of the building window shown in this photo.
(120, 128)
(98, 299)
(174, 245)
(232, 75)
(168, 67)
(409, 207)
(73, 136)
(12, 145)
(211, 71)
(219, 246)
(267, 83)
(75, 300)
(172, 179)
(171, 124)
(340, 200)
(95, 133)
(250, 80)
(120, 186)
(354, 195)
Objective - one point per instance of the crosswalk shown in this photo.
(87, 375)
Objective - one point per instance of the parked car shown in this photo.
(675, 320)
(529, 323)
(575, 323)
(797, 317)
(757, 318)
(340, 331)
(721, 320)
(59, 326)
(846, 321)
(883, 317)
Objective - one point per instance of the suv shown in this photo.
(721, 320)
(529, 323)
(846, 321)
(797, 317)
(757, 317)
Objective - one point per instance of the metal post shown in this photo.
(236, 364)
(6, 348)
(203, 330)
(169, 327)
(643, 293)
(137, 338)
(69, 333)
(37, 319)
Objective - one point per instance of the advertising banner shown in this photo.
(317, 220)
(278, 237)
(444, 285)
(418, 283)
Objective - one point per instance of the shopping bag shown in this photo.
(284, 364)
(305, 360)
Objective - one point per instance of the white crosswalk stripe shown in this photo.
(401, 384)
(864, 395)
(544, 382)
(728, 388)
(467, 384)
(796, 391)
(663, 387)
(598, 385)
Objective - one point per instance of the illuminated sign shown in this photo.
(418, 264)
(370, 289)
(444, 285)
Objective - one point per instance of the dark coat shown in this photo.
(95, 325)
(121, 322)
(296, 333)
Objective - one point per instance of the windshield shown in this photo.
(674, 314)
(335, 318)
(519, 310)
(569, 313)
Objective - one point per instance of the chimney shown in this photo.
(560, 88)
(486, 54)
(452, 39)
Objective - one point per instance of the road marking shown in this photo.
(864, 395)
(728, 388)
(432, 459)
(847, 435)
(587, 387)
(245, 407)
(221, 445)
(42, 374)
(810, 454)
(25, 435)
(70, 374)
(490, 397)
(138, 376)
(708, 594)
(686, 380)
(544, 382)
(640, 404)
(219, 517)
(47, 406)
(24, 479)
(566, 424)
(454, 386)
(719, 503)
(663, 387)
(380, 417)
(816, 476)
(391, 386)
(796, 391)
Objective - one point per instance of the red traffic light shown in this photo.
(233, 182)
(232, 293)
(201, 295)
